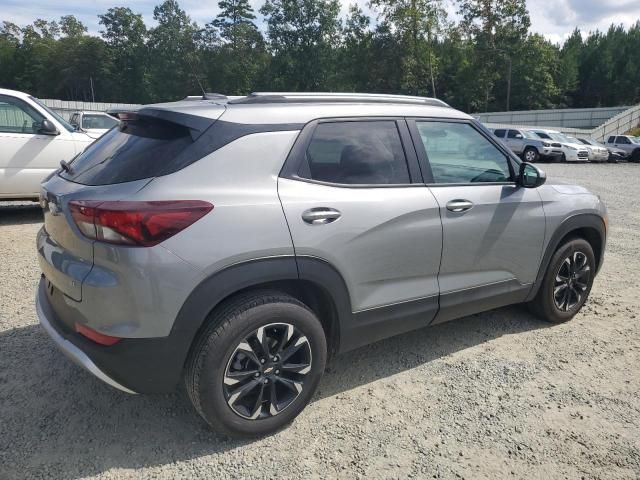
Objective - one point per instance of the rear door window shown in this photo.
(356, 153)
(500, 133)
(137, 149)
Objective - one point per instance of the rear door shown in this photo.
(493, 229)
(353, 197)
(515, 141)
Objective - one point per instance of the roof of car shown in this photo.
(286, 108)
(15, 93)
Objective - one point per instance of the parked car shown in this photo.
(238, 244)
(627, 143)
(33, 141)
(613, 154)
(571, 151)
(597, 151)
(93, 123)
(527, 145)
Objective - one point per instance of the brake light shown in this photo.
(97, 337)
(142, 224)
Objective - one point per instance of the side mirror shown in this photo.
(531, 176)
(519, 136)
(48, 128)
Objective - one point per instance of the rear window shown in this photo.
(98, 121)
(142, 148)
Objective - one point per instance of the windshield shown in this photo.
(529, 134)
(588, 141)
(61, 120)
(560, 138)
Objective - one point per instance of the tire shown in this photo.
(552, 307)
(563, 158)
(635, 156)
(530, 155)
(226, 350)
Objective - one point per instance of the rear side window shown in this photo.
(356, 153)
(499, 133)
(611, 140)
(142, 148)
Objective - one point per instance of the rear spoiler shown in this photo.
(197, 125)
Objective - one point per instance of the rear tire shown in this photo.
(567, 282)
(257, 364)
(530, 155)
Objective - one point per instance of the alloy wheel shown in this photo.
(267, 370)
(571, 282)
(530, 156)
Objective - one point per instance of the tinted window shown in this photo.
(458, 153)
(543, 135)
(514, 134)
(17, 116)
(138, 149)
(623, 140)
(98, 121)
(356, 153)
(611, 140)
(500, 133)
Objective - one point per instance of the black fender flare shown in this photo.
(570, 224)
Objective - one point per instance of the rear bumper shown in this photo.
(149, 365)
(71, 350)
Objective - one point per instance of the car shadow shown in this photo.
(22, 213)
(58, 419)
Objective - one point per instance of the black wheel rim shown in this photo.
(266, 371)
(571, 282)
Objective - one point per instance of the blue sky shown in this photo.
(555, 19)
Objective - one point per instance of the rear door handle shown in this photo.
(320, 215)
(458, 206)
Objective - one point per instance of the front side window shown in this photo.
(17, 116)
(514, 134)
(623, 140)
(458, 153)
(356, 153)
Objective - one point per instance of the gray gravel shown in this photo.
(495, 395)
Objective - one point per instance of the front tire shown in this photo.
(567, 282)
(530, 155)
(635, 156)
(257, 364)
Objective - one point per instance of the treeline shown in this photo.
(487, 61)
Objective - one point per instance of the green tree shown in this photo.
(303, 36)
(173, 66)
(417, 24)
(70, 26)
(125, 34)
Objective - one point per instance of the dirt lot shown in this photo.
(491, 396)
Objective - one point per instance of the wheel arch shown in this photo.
(588, 226)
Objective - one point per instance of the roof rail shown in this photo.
(327, 97)
(206, 96)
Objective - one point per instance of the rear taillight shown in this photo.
(141, 224)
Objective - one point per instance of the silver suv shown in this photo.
(237, 244)
(529, 146)
(628, 144)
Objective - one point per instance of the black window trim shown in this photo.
(297, 153)
(423, 158)
(21, 102)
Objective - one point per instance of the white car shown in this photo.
(597, 151)
(33, 141)
(571, 151)
(95, 124)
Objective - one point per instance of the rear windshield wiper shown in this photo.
(65, 166)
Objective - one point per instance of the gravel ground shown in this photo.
(495, 395)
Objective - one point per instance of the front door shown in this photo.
(493, 229)
(355, 202)
(27, 156)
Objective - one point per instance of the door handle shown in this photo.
(320, 215)
(458, 206)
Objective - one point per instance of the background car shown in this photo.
(529, 146)
(33, 141)
(597, 151)
(627, 143)
(571, 151)
(93, 123)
